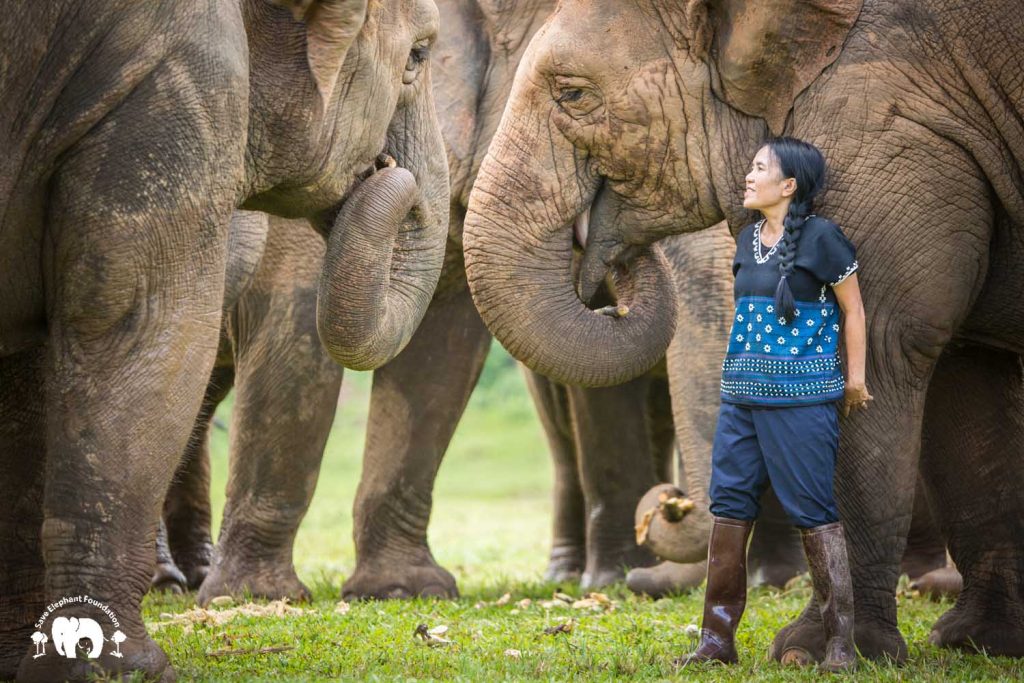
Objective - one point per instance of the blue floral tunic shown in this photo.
(772, 363)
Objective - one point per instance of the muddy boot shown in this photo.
(825, 547)
(726, 594)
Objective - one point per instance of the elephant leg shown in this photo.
(972, 462)
(186, 517)
(617, 467)
(662, 429)
(286, 393)
(415, 405)
(775, 554)
(22, 458)
(926, 548)
(166, 577)
(568, 535)
(132, 339)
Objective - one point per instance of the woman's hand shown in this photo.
(856, 397)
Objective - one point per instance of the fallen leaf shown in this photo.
(644, 526)
(216, 617)
(567, 599)
(564, 627)
(596, 601)
(503, 600)
(432, 636)
(514, 654)
(342, 607)
(524, 603)
(251, 651)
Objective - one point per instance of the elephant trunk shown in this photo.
(518, 243)
(383, 260)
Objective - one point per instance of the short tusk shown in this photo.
(581, 226)
(619, 311)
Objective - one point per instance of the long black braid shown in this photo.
(806, 164)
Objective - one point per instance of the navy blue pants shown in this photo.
(793, 448)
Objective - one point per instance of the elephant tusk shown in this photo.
(581, 226)
(384, 161)
(619, 311)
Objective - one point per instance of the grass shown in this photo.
(490, 527)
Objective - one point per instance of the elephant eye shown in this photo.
(418, 56)
(570, 95)
(577, 97)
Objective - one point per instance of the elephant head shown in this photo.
(340, 91)
(67, 632)
(615, 137)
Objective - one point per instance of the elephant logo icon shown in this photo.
(68, 632)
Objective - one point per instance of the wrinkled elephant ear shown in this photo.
(767, 52)
(331, 26)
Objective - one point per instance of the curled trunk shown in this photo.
(383, 260)
(520, 275)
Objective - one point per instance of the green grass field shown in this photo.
(490, 527)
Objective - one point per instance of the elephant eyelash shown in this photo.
(418, 55)
(570, 95)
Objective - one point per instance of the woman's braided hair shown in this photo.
(805, 163)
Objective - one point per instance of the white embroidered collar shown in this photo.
(757, 244)
(757, 241)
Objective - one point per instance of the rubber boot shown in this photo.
(726, 594)
(825, 547)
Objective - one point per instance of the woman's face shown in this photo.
(765, 186)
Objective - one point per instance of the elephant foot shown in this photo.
(802, 641)
(195, 565)
(167, 578)
(916, 564)
(137, 655)
(939, 583)
(993, 624)
(259, 579)
(388, 581)
(667, 578)
(610, 567)
(774, 575)
(565, 564)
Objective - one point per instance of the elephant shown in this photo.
(608, 445)
(279, 424)
(436, 373)
(644, 115)
(128, 142)
(67, 632)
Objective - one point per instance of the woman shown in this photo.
(781, 379)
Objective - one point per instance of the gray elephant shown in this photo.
(279, 424)
(608, 445)
(647, 114)
(127, 144)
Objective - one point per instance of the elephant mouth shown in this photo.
(325, 221)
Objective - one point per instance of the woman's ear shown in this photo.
(766, 52)
(789, 187)
(331, 27)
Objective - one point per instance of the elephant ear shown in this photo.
(767, 51)
(331, 27)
